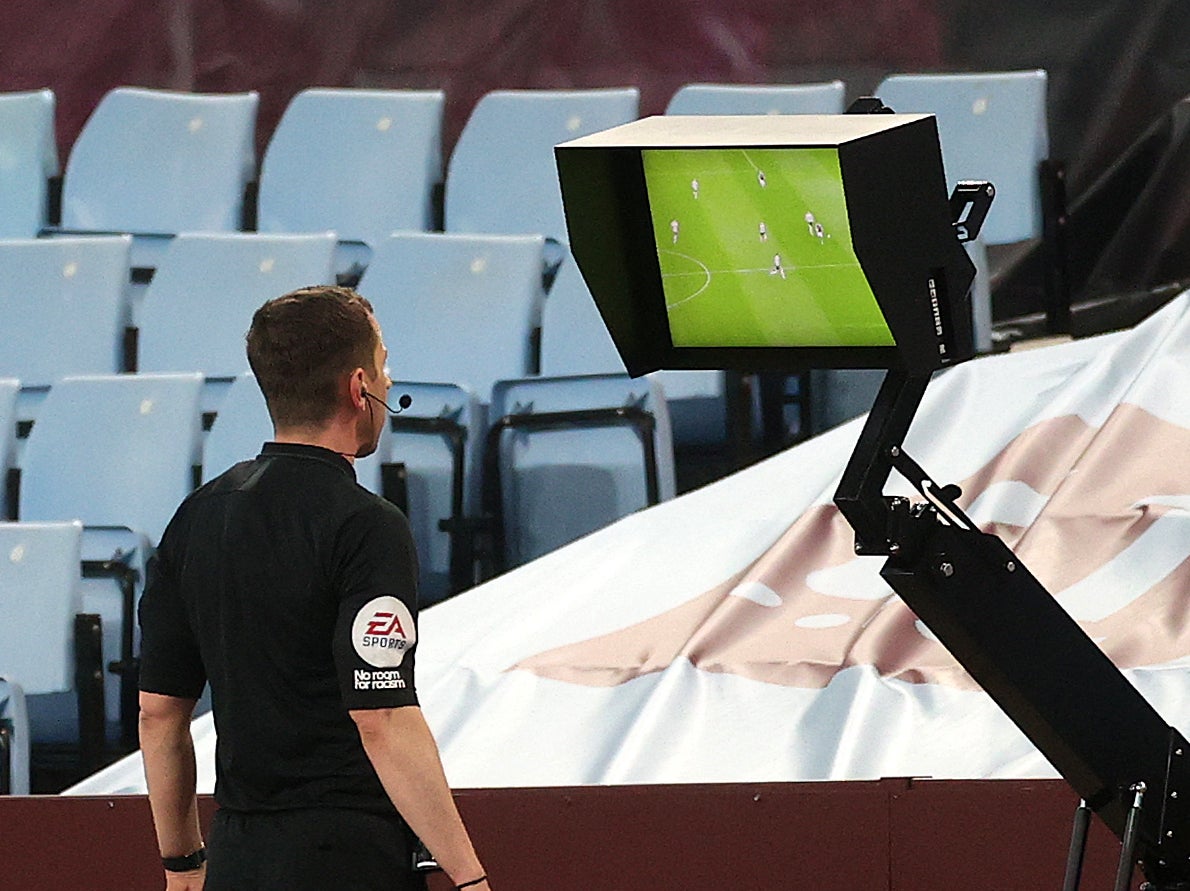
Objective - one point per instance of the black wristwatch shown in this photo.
(185, 863)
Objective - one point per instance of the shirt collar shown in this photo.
(309, 452)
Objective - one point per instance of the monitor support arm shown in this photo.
(1125, 762)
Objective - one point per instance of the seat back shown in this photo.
(437, 441)
(155, 161)
(200, 303)
(573, 455)
(992, 127)
(240, 427)
(39, 597)
(574, 339)
(64, 307)
(28, 160)
(502, 177)
(362, 163)
(113, 450)
(816, 98)
(458, 309)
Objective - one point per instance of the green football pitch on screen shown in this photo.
(755, 249)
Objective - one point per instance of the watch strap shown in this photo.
(185, 863)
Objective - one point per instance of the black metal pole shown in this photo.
(1131, 837)
(1078, 847)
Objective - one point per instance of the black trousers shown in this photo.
(321, 849)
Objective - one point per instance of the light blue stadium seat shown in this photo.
(9, 388)
(28, 160)
(992, 126)
(362, 163)
(65, 311)
(240, 427)
(460, 310)
(200, 303)
(433, 449)
(155, 162)
(574, 339)
(502, 177)
(569, 455)
(559, 481)
(815, 98)
(118, 453)
(39, 598)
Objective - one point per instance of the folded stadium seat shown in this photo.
(9, 388)
(574, 339)
(199, 306)
(28, 161)
(459, 311)
(361, 163)
(119, 453)
(65, 311)
(242, 425)
(816, 98)
(579, 447)
(992, 127)
(39, 600)
(502, 178)
(154, 163)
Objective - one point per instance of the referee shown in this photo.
(291, 590)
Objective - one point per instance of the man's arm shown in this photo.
(402, 750)
(168, 752)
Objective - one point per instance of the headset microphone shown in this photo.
(404, 401)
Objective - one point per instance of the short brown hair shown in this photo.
(302, 343)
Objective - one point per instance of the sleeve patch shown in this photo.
(383, 632)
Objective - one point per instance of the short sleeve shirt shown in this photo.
(292, 591)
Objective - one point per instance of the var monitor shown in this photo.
(770, 242)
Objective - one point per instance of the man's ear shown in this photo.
(358, 388)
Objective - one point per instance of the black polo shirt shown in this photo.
(292, 590)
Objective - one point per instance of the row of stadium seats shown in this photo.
(363, 163)
(154, 163)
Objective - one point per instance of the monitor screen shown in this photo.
(770, 242)
(754, 250)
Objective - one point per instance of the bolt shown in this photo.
(895, 451)
(1173, 794)
(1010, 566)
(1169, 833)
(894, 548)
(947, 569)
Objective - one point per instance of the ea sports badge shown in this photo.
(383, 632)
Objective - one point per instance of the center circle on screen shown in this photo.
(383, 632)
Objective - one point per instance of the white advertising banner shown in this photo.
(732, 635)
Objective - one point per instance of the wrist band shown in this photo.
(186, 863)
(483, 878)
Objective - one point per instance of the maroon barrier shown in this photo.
(888, 835)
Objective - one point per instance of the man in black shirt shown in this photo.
(291, 590)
